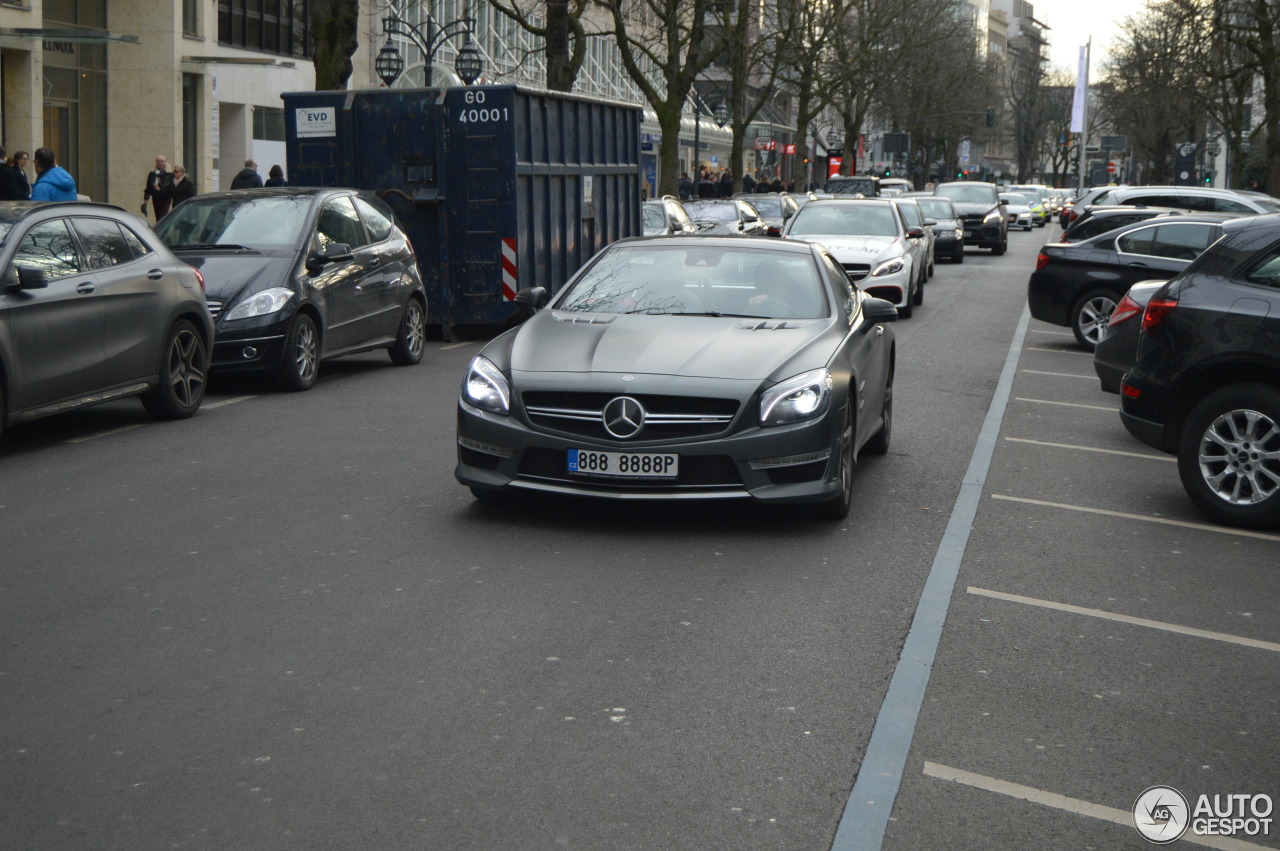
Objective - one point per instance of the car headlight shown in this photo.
(261, 304)
(803, 397)
(888, 267)
(959, 233)
(993, 216)
(486, 387)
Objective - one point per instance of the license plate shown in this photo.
(968, 233)
(624, 465)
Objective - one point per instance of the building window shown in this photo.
(268, 124)
(191, 124)
(273, 26)
(191, 17)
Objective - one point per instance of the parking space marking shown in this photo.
(866, 812)
(1129, 619)
(1070, 805)
(1066, 404)
(209, 406)
(456, 346)
(1059, 351)
(1204, 527)
(1061, 374)
(1053, 333)
(106, 433)
(1146, 455)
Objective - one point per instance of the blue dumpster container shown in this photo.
(499, 187)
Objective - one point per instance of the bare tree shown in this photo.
(562, 31)
(334, 37)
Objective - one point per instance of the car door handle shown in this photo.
(1138, 266)
(376, 261)
(155, 274)
(85, 288)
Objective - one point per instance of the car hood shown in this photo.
(969, 208)
(693, 346)
(228, 274)
(860, 248)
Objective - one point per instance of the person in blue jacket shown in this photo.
(53, 182)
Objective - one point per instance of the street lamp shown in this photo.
(721, 114)
(389, 64)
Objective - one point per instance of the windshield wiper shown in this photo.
(211, 246)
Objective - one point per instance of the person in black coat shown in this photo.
(11, 183)
(748, 183)
(248, 177)
(685, 186)
(275, 177)
(183, 186)
(726, 183)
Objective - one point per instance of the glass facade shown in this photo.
(273, 26)
(75, 96)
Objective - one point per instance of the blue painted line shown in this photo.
(866, 814)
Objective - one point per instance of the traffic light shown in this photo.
(888, 172)
(991, 118)
(959, 175)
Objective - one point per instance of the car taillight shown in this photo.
(1072, 215)
(199, 277)
(1042, 260)
(1157, 310)
(1126, 309)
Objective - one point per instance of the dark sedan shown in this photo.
(948, 230)
(92, 308)
(981, 210)
(1078, 284)
(725, 217)
(773, 208)
(296, 276)
(1206, 383)
(686, 368)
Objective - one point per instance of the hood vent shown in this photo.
(769, 325)
(583, 318)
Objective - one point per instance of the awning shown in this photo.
(86, 35)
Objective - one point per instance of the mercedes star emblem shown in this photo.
(623, 417)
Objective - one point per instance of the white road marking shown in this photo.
(209, 406)
(1059, 351)
(1146, 455)
(1204, 527)
(1062, 374)
(1112, 616)
(1054, 333)
(1070, 805)
(1066, 404)
(106, 433)
(456, 346)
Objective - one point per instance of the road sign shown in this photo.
(1111, 168)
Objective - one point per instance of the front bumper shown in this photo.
(983, 235)
(894, 288)
(779, 464)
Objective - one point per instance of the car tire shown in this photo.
(879, 442)
(1089, 317)
(997, 250)
(411, 337)
(1223, 467)
(959, 256)
(837, 508)
(918, 298)
(907, 309)
(300, 365)
(184, 374)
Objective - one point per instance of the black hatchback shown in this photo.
(1206, 384)
(300, 275)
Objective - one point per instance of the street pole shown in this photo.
(1084, 117)
(697, 147)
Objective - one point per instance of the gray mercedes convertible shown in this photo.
(685, 368)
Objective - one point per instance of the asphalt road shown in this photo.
(282, 624)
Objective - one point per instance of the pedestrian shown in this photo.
(726, 183)
(19, 162)
(748, 183)
(10, 189)
(248, 177)
(762, 182)
(53, 182)
(706, 186)
(685, 186)
(158, 188)
(275, 177)
(776, 186)
(184, 187)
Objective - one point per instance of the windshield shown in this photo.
(5, 227)
(973, 194)
(653, 217)
(1271, 205)
(845, 220)
(767, 206)
(712, 211)
(262, 223)
(937, 208)
(1014, 198)
(696, 280)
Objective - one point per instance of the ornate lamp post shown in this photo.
(389, 64)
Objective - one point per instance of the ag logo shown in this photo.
(1161, 814)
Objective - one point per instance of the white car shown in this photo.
(1018, 210)
(872, 241)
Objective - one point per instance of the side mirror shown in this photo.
(915, 232)
(532, 298)
(878, 310)
(30, 278)
(1004, 202)
(334, 252)
(930, 222)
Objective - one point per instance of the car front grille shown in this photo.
(695, 471)
(974, 220)
(857, 271)
(215, 306)
(666, 417)
(811, 472)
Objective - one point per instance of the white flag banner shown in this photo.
(1082, 92)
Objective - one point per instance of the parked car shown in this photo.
(1201, 199)
(980, 209)
(296, 276)
(666, 215)
(93, 307)
(1017, 208)
(948, 230)
(914, 216)
(774, 209)
(1099, 219)
(1077, 285)
(1206, 383)
(871, 241)
(725, 217)
(685, 368)
(1118, 347)
(853, 184)
(1039, 200)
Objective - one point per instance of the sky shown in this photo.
(1074, 21)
